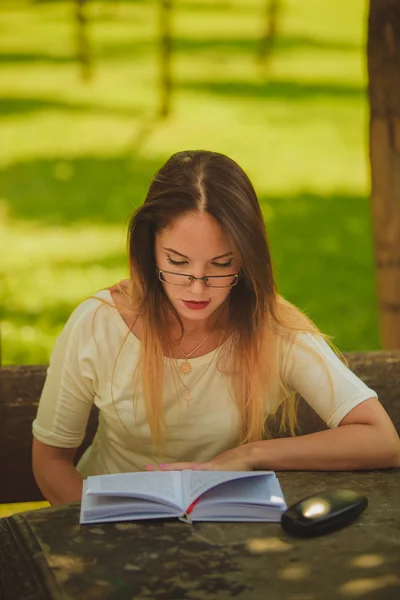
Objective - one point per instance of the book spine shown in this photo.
(185, 518)
(186, 515)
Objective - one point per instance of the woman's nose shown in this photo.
(198, 284)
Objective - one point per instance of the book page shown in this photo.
(254, 491)
(162, 486)
(100, 509)
(200, 482)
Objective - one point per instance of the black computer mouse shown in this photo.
(323, 513)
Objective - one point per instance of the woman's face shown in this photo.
(196, 245)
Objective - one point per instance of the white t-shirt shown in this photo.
(81, 372)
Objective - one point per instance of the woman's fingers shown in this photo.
(181, 466)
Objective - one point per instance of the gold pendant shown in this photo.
(185, 367)
(188, 397)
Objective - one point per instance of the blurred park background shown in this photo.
(77, 155)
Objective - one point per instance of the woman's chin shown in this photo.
(195, 314)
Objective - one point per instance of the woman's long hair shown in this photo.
(204, 181)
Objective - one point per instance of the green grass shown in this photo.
(76, 158)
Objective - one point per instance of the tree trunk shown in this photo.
(384, 95)
(165, 57)
(270, 30)
(83, 40)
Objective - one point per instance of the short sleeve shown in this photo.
(310, 367)
(68, 392)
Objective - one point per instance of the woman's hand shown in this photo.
(232, 460)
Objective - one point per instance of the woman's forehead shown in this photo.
(195, 231)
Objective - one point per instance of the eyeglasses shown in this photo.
(218, 281)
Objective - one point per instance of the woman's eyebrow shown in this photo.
(184, 256)
(223, 255)
(175, 252)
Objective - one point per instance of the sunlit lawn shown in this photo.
(7, 510)
(76, 158)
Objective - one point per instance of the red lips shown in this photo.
(196, 305)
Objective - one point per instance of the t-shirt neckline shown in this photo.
(133, 338)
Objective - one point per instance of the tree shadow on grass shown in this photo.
(36, 57)
(98, 2)
(92, 189)
(322, 250)
(287, 89)
(51, 318)
(225, 47)
(24, 105)
(282, 43)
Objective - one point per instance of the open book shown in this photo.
(188, 495)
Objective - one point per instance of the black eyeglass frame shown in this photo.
(193, 278)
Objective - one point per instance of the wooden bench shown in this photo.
(20, 388)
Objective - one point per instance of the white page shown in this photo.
(257, 491)
(99, 509)
(127, 517)
(112, 505)
(238, 514)
(202, 481)
(164, 486)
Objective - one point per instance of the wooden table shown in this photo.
(46, 554)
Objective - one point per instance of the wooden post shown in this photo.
(270, 28)
(384, 95)
(83, 40)
(165, 57)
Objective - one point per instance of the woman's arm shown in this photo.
(365, 439)
(55, 473)
(64, 407)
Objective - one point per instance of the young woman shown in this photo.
(189, 359)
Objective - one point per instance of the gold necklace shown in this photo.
(185, 367)
(188, 395)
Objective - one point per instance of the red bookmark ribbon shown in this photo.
(191, 507)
